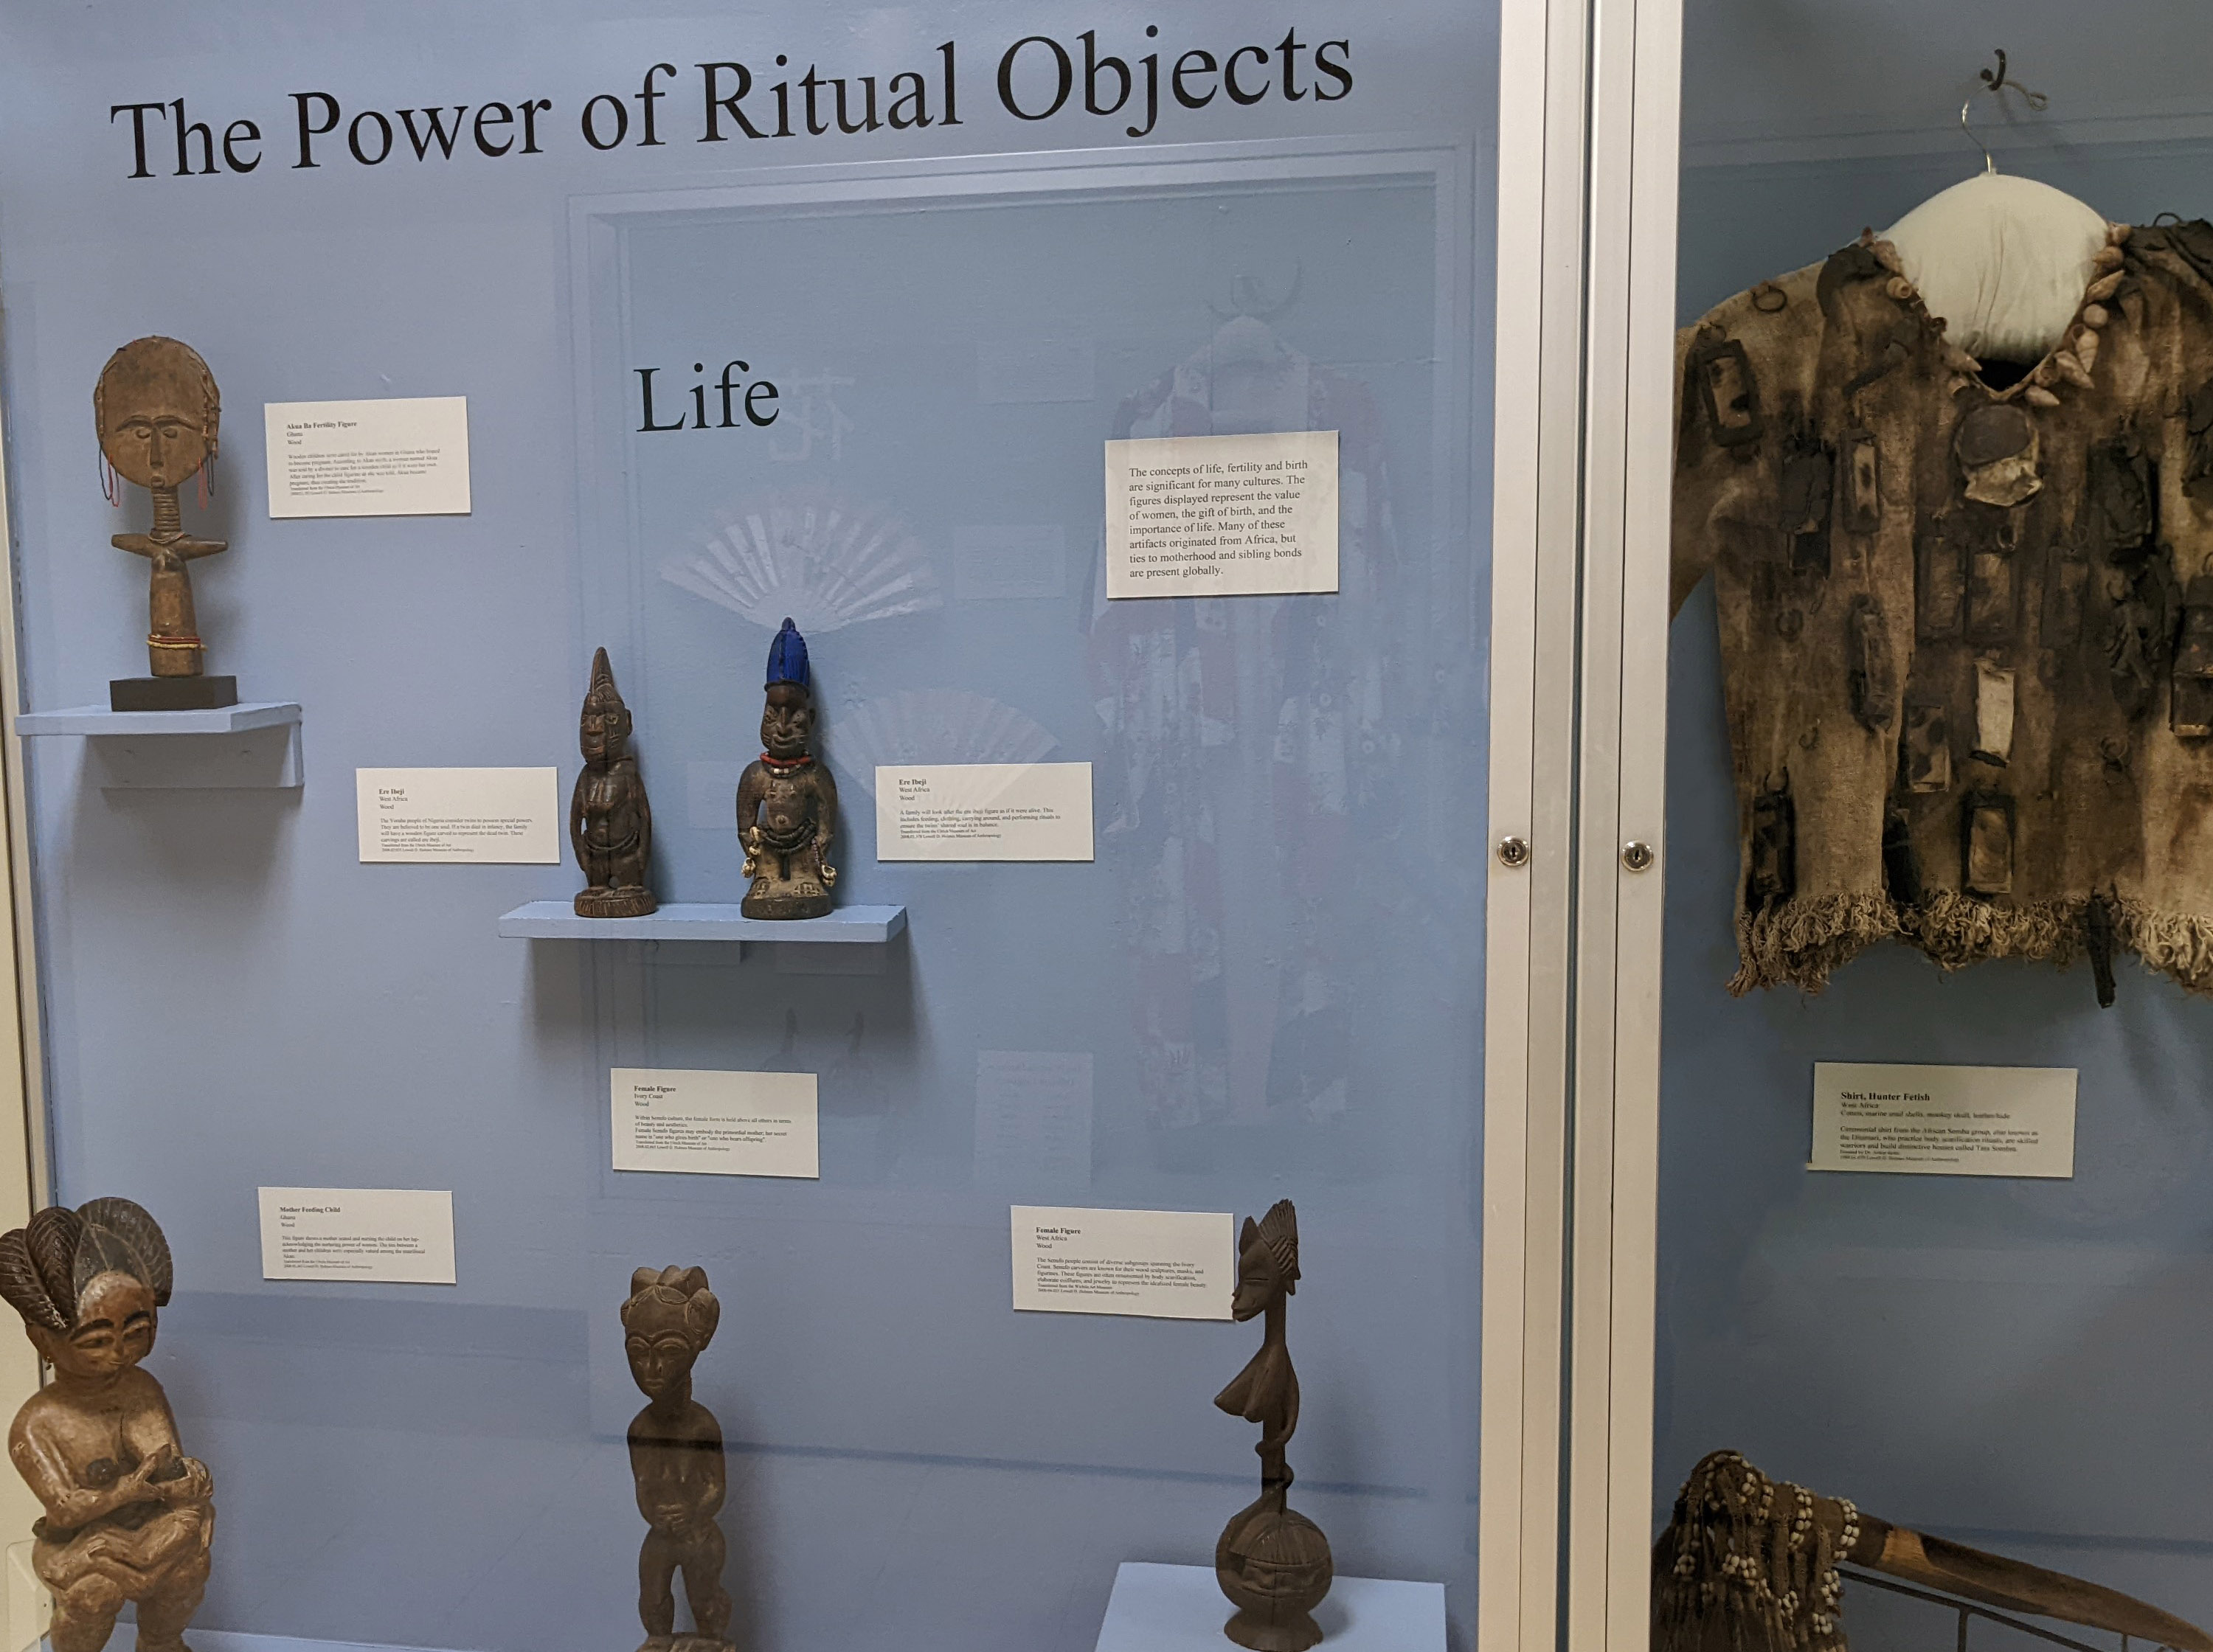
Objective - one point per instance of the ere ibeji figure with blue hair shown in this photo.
(787, 801)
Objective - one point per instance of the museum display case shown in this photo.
(1100, 522)
(1933, 1145)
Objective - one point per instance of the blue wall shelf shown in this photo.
(221, 720)
(556, 920)
(255, 744)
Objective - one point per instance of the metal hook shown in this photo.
(1990, 165)
(1996, 83)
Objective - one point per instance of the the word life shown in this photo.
(757, 399)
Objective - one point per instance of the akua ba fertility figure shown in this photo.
(1273, 1562)
(159, 414)
(676, 1459)
(610, 822)
(787, 801)
(129, 1517)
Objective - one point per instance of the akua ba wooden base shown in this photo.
(171, 693)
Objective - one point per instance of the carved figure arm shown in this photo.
(178, 548)
(47, 1471)
(826, 821)
(702, 1482)
(143, 1555)
(648, 1471)
(152, 1432)
(636, 782)
(577, 820)
(712, 1477)
(752, 787)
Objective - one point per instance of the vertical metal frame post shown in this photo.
(1629, 435)
(1535, 466)
(1588, 105)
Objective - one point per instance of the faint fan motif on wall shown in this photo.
(811, 557)
(930, 725)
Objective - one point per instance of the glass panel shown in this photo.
(1266, 984)
(1946, 749)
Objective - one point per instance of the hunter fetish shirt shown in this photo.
(1965, 615)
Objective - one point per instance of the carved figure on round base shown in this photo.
(1272, 1561)
(610, 821)
(1274, 1564)
(129, 1516)
(787, 801)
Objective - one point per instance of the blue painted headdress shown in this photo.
(787, 658)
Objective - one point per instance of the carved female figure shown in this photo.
(787, 803)
(158, 413)
(610, 822)
(1273, 1562)
(129, 1517)
(676, 1459)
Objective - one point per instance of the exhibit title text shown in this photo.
(1132, 88)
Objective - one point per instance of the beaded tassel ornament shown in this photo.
(1749, 1564)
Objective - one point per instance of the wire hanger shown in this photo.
(1996, 83)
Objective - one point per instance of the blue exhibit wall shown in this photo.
(1271, 974)
(2016, 1364)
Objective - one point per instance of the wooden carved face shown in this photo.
(157, 411)
(787, 721)
(1260, 1280)
(114, 1330)
(604, 729)
(661, 1351)
(667, 1323)
(1267, 1261)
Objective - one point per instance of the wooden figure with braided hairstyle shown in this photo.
(676, 1459)
(129, 1516)
(159, 416)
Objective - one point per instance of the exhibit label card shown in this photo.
(398, 456)
(714, 1124)
(1222, 515)
(1161, 1264)
(984, 812)
(1943, 1121)
(498, 817)
(390, 1235)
